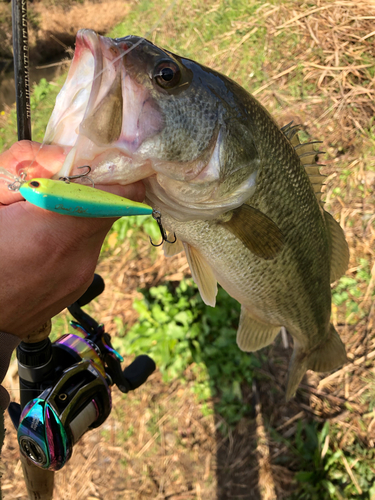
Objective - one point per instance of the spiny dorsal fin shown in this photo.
(308, 156)
(291, 131)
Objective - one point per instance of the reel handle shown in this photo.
(94, 290)
(134, 375)
(139, 370)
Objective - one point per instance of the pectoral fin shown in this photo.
(252, 334)
(256, 231)
(171, 249)
(202, 275)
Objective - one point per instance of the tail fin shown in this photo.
(329, 355)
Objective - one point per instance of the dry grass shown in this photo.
(53, 25)
(340, 69)
(100, 17)
(173, 452)
(58, 25)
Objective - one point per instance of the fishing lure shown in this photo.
(79, 200)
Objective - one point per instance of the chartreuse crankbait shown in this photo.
(79, 200)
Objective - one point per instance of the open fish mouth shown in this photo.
(133, 111)
(104, 114)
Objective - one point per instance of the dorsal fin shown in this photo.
(308, 156)
(339, 247)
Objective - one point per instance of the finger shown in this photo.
(39, 160)
(32, 157)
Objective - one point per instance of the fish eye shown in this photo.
(167, 74)
(34, 184)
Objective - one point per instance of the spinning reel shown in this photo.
(66, 386)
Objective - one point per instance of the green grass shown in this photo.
(131, 229)
(350, 290)
(211, 35)
(42, 102)
(177, 329)
(321, 471)
(175, 326)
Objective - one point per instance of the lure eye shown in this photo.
(167, 74)
(34, 184)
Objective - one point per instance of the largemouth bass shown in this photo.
(241, 195)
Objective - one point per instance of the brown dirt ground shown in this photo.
(172, 451)
(53, 25)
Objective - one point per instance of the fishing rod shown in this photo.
(21, 68)
(49, 401)
(39, 483)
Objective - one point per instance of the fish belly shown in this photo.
(272, 291)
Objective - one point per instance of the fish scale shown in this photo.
(301, 303)
(241, 194)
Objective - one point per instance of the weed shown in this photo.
(131, 229)
(177, 329)
(42, 101)
(323, 466)
(349, 290)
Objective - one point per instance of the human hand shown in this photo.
(47, 260)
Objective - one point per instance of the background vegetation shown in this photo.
(212, 423)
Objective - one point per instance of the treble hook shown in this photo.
(15, 186)
(157, 216)
(79, 176)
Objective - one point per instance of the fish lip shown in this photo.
(109, 60)
(101, 53)
(87, 37)
(73, 100)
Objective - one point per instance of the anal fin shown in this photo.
(202, 275)
(253, 334)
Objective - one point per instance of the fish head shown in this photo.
(133, 111)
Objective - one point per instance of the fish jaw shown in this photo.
(103, 114)
(106, 112)
(128, 128)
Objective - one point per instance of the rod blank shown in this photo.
(21, 68)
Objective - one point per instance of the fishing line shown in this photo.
(14, 182)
